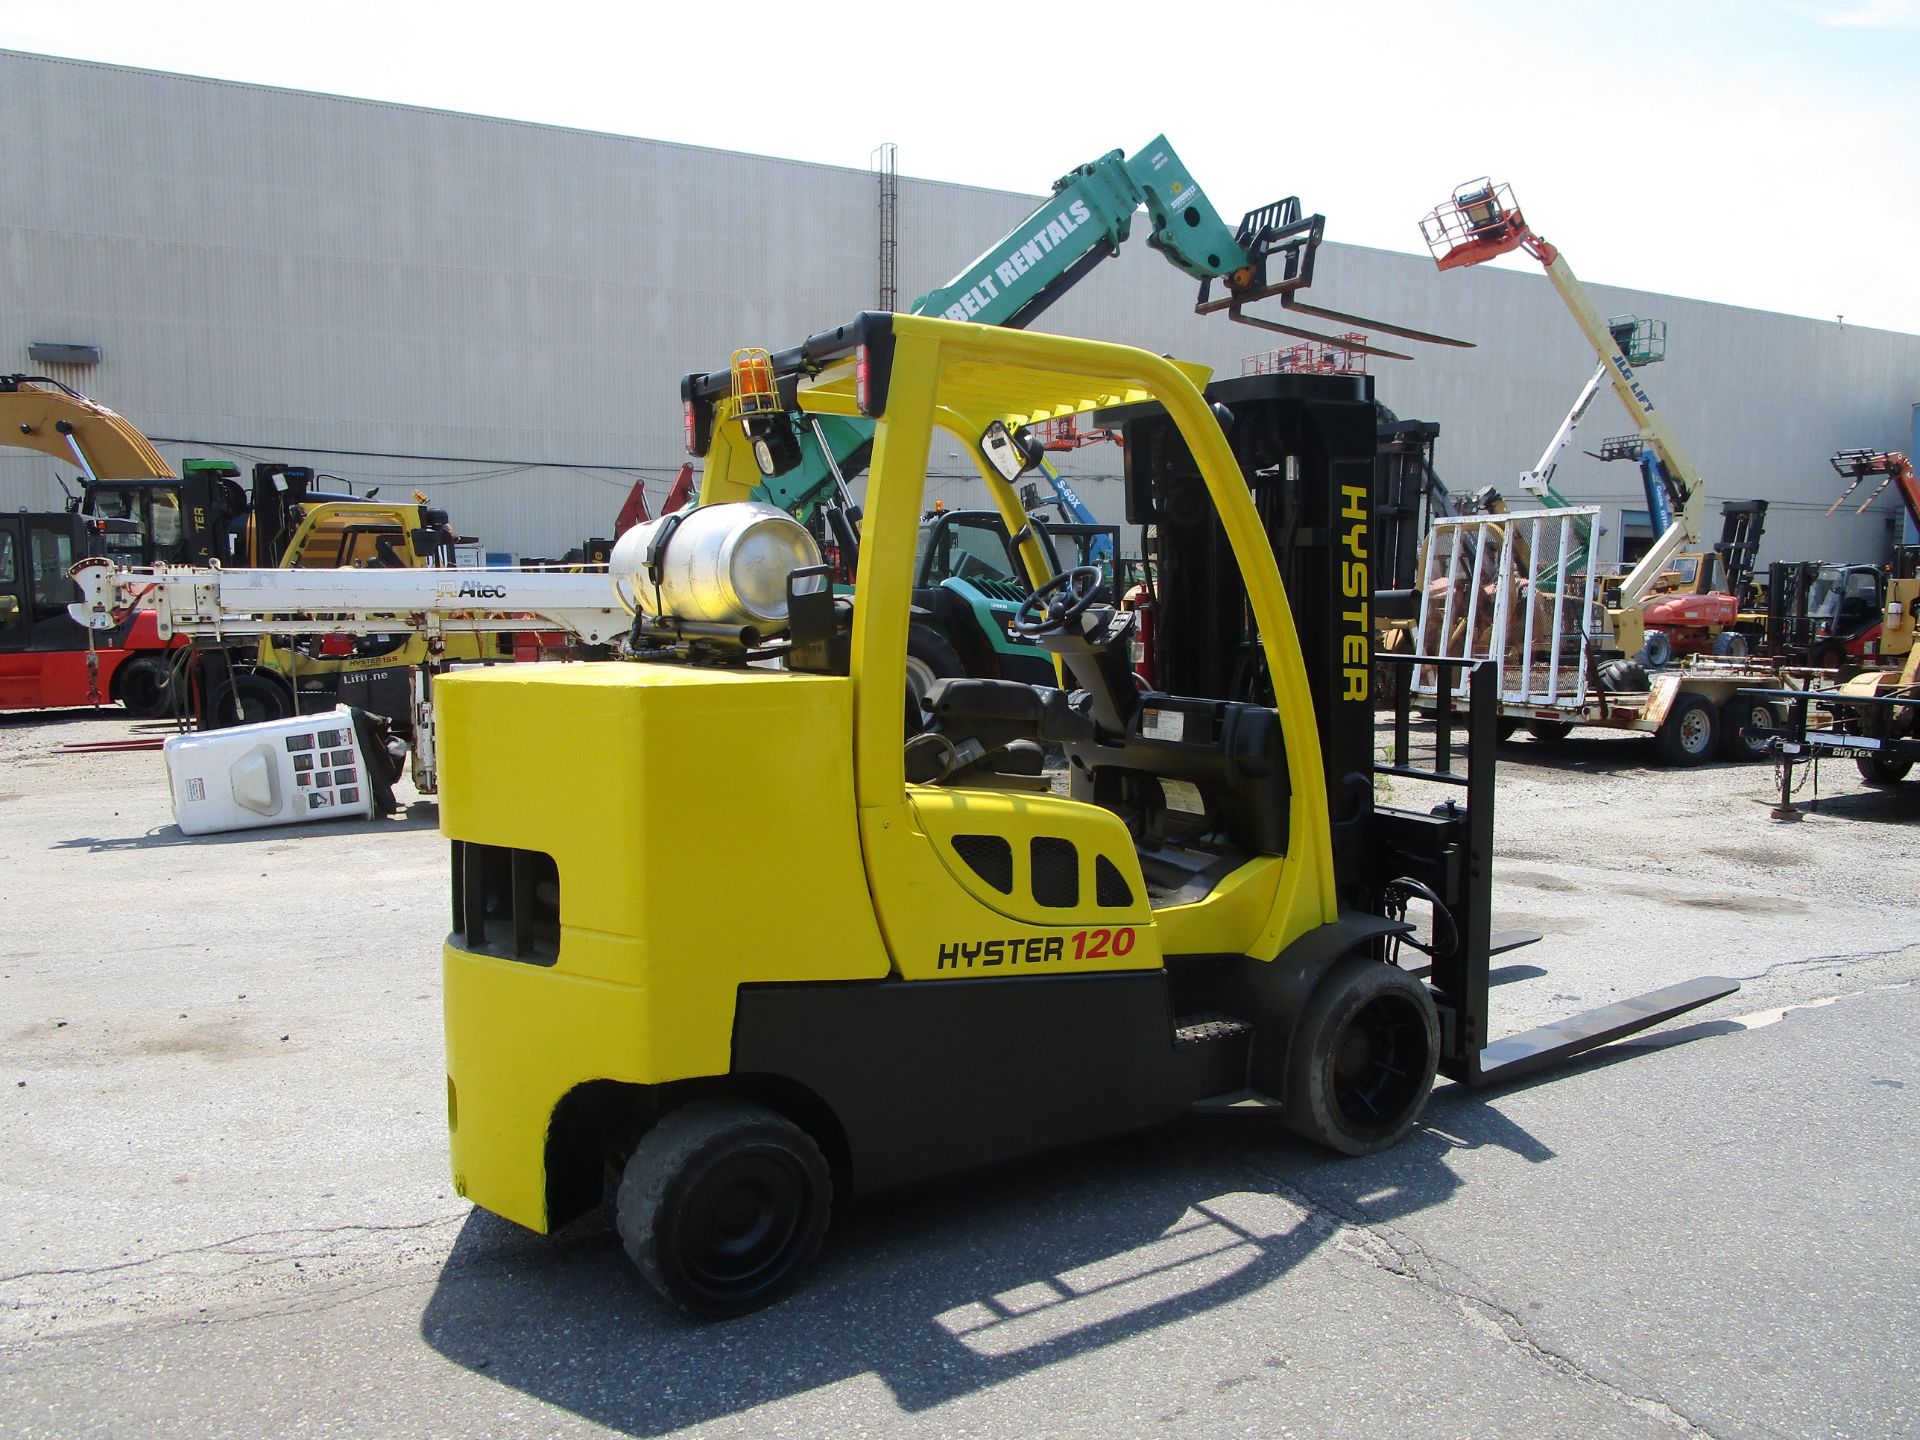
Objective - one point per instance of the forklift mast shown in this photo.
(1742, 522)
(1406, 493)
(1306, 444)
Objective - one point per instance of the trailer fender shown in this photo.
(1660, 695)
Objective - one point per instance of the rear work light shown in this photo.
(753, 388)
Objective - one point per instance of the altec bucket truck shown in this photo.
(432, 615)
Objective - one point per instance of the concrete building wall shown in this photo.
(498, 313)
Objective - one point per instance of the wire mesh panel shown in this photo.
(1516, 589)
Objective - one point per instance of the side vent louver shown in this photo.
(1056, 872)
(988, 856)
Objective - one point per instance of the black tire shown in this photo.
(247, 696)
(1626, 676)
(1657, 650)
(1550, 730)
(145, 686)
(929, 658)
(1691, 732)
(1731, 644)
(1363, 1057)
(722, 1205)
(1505, 728)
(1883, 769)
(1737, 721)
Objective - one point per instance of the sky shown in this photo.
(1763, 153)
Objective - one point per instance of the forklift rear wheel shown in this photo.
(722, 1205)
(1690, 733)
(1883, 769)
(1363, 1057)
(1549, 730)
(1739, 721)
(145, 684)
(248, 696)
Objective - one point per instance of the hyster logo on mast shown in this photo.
(1354, 586)
(1018, 262)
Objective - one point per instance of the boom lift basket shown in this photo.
(1479, 223)
(1643, 342)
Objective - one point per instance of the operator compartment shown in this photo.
(1201, 785)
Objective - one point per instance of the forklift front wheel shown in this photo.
(722, 1205)
(145, 686)
(1363, 1057)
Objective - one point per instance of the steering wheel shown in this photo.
(1056, 602)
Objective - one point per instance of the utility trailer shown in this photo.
(1880, 733)
(1519, 591)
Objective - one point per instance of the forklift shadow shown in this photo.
(418, 815)
(941, 1293)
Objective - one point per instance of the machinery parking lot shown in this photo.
(226, 1207)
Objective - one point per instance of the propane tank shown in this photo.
(720, 564)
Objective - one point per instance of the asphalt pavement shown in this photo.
(224, 1207)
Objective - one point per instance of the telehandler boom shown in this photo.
(729, 933)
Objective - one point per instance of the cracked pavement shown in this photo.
(224, 1207)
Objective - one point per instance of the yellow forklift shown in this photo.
(733, 935)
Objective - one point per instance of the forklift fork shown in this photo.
(1281, 245)
(1450, 850)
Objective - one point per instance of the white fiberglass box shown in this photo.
(277, 772)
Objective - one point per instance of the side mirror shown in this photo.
(1012, 453)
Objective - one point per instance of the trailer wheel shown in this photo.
(1883, 769)
(722, 1205)
(1505, 728)
(1738, 721)
(1549, 730)
(1363, 1057)
(247, 696)
(145, 685)
(1691, 732)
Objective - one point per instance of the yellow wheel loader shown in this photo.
(731, 932)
